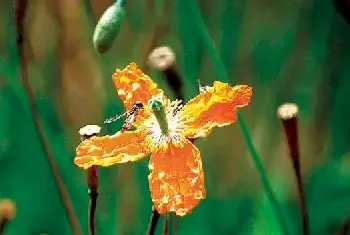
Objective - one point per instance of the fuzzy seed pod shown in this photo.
(108, 26)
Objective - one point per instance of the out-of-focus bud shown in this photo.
(108, 27)
(7, 209)
(163, 59)
(7, 213)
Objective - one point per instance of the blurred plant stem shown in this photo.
(161, 27)
(166, 224)
(79, 67)
(3, 223)
(220, 68)
(344, 228)
(19, 17)
(153, 222)
(288, 113)
(89, 11)
(163, 59)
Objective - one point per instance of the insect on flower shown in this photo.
(162, 129)
(130, 116)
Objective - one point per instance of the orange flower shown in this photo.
(176, 178)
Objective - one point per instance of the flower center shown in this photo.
(157, 107)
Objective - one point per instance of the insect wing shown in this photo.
(130, 116)
(115, 118)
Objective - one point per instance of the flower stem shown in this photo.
(166, 224)
(264, 179)
(199, 22)
(87, 132)
(302, 199)
(153, 222)
(3, 223)
(93, 193)
(174, 80)
(288, 113)
(19, 17)
(163, 59)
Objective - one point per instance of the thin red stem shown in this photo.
(291, 130)
(153, 222)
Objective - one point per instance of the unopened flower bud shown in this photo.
(108, 27)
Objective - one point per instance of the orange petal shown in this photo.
(215, 107)
(176, 178)
(108, 150)
(133, 85)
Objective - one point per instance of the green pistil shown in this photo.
(159, 111)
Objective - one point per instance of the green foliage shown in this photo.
(328, 196)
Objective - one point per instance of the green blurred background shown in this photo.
(289, 51)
